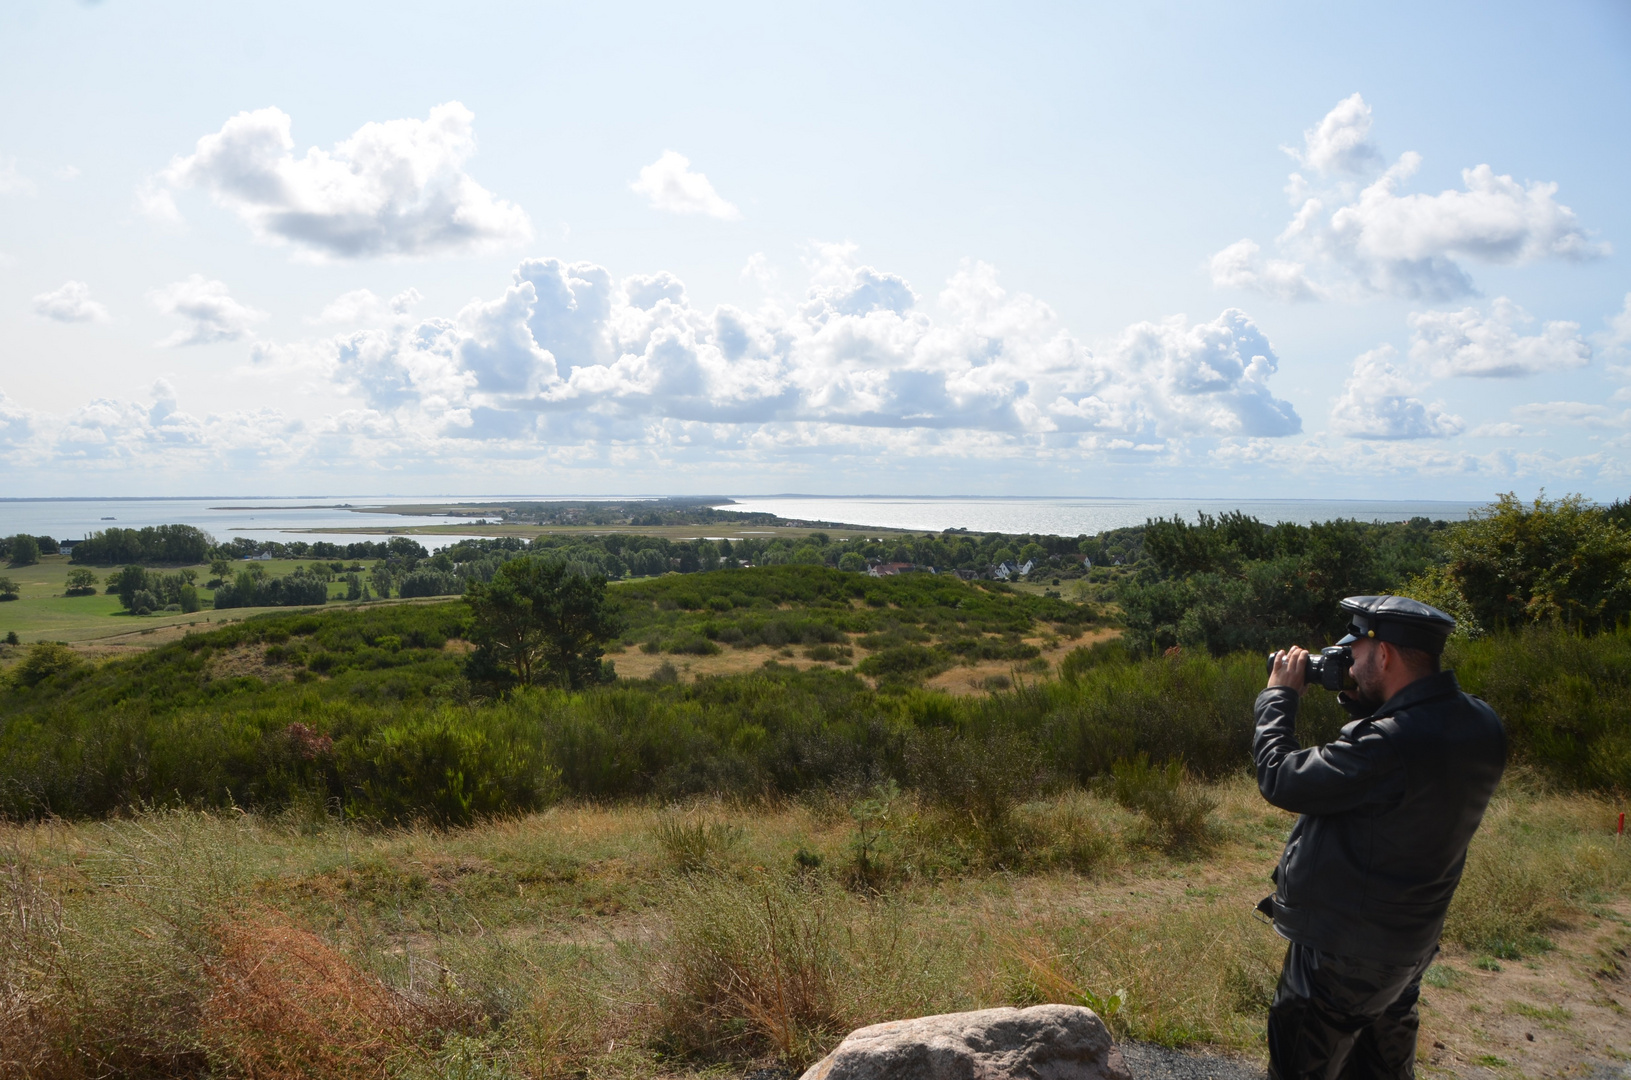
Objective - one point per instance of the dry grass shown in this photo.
(622, 942)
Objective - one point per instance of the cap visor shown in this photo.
(1349, 640)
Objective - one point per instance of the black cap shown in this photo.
(1396, 619)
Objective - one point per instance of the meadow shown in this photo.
(306, 843)
(707, 937)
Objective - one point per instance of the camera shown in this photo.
(1328, 669)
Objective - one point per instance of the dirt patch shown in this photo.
(1557, 1014)
(248, 661)
(635, 664)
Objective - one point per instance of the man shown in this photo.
(1387, 810)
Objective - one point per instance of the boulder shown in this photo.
(1044, 1042)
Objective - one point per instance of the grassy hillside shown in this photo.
(370, 708)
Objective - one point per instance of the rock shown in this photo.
(1044, 1042)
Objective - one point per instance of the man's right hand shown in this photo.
(1290, 669)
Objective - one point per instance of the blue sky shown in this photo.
(1246, 249)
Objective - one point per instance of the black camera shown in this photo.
(1328, 668)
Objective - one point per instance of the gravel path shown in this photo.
(1146, 1061)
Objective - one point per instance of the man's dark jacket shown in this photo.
(1388, 809)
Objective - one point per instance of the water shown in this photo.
(286, 519)
(1073, 517)
(223, 518)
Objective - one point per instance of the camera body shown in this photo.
(1328, 668)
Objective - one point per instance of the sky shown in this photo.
(1244, 249)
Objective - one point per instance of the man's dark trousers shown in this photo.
(1342, 1018)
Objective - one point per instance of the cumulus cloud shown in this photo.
(1340, 143)
(1491, 345)
(69, 303)
(207, 311)
(669, 184)
(397, 188)
(1241, 266)
(1350, 241)
(568, 355)
(116, 435)
(1378, 402)
(363, 307)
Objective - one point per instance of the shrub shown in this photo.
(691, 843)
(447, 766)
(1163, 795)
(9, 589)
(81, 582)
(44, 659)
(1560, 560)
(903, 663)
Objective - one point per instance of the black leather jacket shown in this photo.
(1388, 808)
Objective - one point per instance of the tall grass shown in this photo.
(178, 943)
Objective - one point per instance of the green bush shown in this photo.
(44, 659)
(450, 766)
(1164, 796)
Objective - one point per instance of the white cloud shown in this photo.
(1578, 414)
(669, 184)
(1497, 430)
(1241, 266)
(1340, 143)
(1469, 342)
(71, 303)
(66, 172)
(207, 310)
(1617, 338)
(567, 356)
(1378, 402)
(396, 188)
(13, 182)
(1351, 242)
(363, 307)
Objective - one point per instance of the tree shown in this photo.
(542, 622)
(81, 582)
(8, 589)
(1561, 560)
(25, 550)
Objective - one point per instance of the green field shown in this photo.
(43, 613)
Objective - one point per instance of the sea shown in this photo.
(289, 519)
(1076, 516)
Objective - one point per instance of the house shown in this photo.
(1008, 571)
(67, 546)
(889, 569)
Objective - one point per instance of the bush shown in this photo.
(81, 582)
(44, 659)
(1560, 560)
(692, 843)
(903, 663)
(9, 589)
(451, 767)
(1164, 796)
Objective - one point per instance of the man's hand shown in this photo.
(1290, 669)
